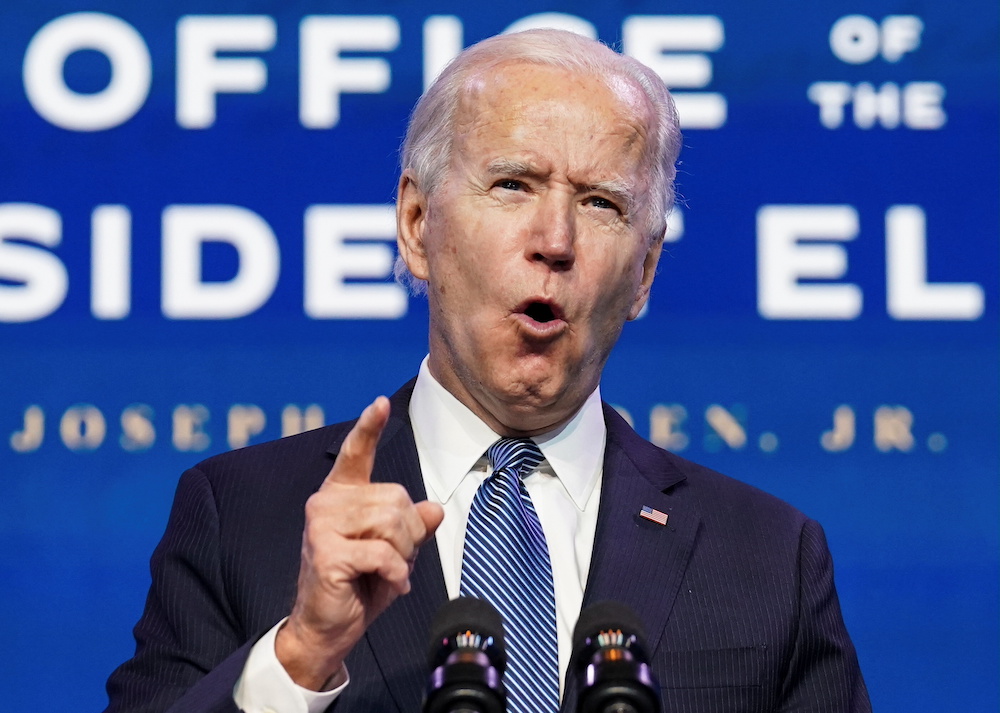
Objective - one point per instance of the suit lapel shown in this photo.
(398, 638)
(635, 561)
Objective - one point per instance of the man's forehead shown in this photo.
(522, 81)
(536, 121)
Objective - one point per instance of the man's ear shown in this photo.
(411, 219)
(648, 273)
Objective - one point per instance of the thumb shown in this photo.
(432, 514)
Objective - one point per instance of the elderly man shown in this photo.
(537, 173)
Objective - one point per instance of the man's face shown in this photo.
(533, 246)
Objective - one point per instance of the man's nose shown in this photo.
(553, 233)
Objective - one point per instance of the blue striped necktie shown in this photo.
(506, 562)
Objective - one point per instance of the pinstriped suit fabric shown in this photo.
(739, 588)
(736, 592)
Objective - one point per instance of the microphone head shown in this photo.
(467, 622)
(605, 616)
(610, 662)
(467, 659)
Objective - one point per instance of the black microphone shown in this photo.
(467, 659)
(611, 664)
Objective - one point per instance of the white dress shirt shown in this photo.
(451, 445)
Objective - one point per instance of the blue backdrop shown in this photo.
(195, 197)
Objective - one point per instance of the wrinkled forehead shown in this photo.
(492, 88)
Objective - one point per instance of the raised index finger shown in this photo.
(357, 454)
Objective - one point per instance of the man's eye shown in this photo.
(509, 184)
(603, 203)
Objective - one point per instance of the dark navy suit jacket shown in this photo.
(735, 591)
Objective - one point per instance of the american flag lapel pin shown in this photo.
(660, 518)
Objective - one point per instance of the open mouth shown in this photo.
(541, 318)
(540, 312)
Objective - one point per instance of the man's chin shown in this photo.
(531, 406)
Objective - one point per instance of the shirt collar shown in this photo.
(451, 439)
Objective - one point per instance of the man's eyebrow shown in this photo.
(509, 167)
(617, 187)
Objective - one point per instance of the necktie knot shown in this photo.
(519, 456)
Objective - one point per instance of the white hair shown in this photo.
(429, 141)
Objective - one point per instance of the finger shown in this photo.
(380, 559)
(432, 515)
(377, 511)
(357, 454)
(382, 511)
